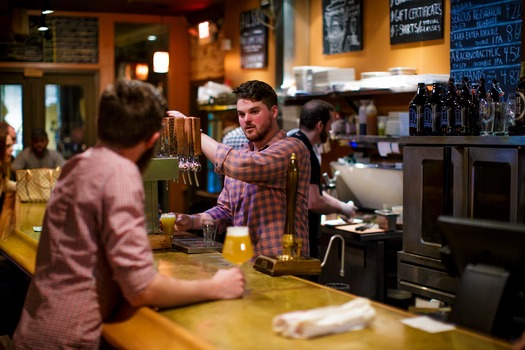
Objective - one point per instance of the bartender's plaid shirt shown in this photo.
(254, 192)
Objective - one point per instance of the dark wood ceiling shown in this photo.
(193, 10)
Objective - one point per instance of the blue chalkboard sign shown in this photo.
(485, 41)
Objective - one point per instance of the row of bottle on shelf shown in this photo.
(454, 109)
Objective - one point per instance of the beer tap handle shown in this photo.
(196, 123)
(188, 131)
(182, 144)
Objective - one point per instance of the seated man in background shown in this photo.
(315, 121)
(37, 155)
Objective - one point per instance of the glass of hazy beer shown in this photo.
(168, 223)
(237, 247)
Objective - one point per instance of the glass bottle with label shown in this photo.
(362, 117)
(371, 118)
(463, 110)
(447, 112)
(415, 110)
(432, 112)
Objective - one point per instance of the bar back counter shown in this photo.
(242, 323)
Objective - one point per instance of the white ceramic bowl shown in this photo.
(369, 186)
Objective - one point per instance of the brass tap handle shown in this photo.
(188, 131)
(173, 151)
(288, 241)
(182, 143)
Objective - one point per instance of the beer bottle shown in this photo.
(496, 93)
(463, 110)
(449, 107)
(481, 91)
(415, 110)
(432, 112)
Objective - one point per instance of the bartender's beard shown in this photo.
(145, 158)
(257, 134)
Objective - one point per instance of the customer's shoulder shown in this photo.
(105, 161)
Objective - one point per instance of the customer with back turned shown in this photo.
(315, 121)
(94, 254)
(37, 155)
(254, 192)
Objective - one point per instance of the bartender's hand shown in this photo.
(184, 222)
(348, 210)
(175, 114)
(228, 284)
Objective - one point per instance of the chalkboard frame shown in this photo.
(254, 39)
(342, 26)
(407, 25)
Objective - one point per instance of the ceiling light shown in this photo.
(47, 9)
(152, 37)
(42, 26)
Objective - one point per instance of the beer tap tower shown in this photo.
(178, 150)
(290, 262)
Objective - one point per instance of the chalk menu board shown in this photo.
(415, 20)
(485, 41)
(254, 39)
(342, 26)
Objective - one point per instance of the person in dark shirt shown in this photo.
(315, 121)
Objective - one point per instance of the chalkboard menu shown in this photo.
(254, 39)
(342, 26)
(415, 20)
(485, 41)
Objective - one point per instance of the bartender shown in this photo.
(254, 192)
(315, 121)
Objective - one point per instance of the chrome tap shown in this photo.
(342, 271)
(331, 183)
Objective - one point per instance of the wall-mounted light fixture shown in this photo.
(204, 30)
(161, 62)
(141, 71)
(47, 9)
(207, 32)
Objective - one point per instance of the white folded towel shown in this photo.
(353, 315)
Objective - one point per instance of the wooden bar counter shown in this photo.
(243, 323)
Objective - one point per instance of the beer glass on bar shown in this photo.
(237, 247)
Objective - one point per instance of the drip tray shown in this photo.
(192, 244)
